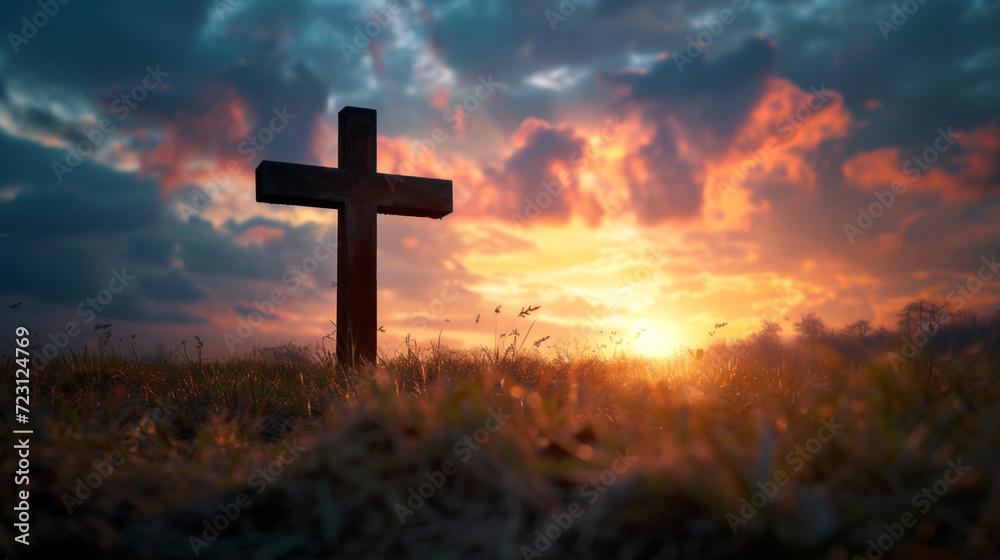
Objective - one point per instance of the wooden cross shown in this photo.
(359, 192)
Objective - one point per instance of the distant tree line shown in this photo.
(923, 331)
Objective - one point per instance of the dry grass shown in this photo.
(704, 432)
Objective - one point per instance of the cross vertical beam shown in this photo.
(357, 290)
(357, 301)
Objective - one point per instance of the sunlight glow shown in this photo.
(659, 339)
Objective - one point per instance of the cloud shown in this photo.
(954, 164)
(173, 287)
(532, 175)
(681, 134)
(693, 117)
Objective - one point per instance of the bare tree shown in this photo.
(768, 333)
(925, 315)
(811, 327)
(862, 328)
(937, 315)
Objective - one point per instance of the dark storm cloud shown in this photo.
(936, 67)
(130, 305)
(939, 68)
(92, 200)
(92, 46)
(516, 39)
(172, 287)
(726, 78)
(671, 191)
(34, 120)
(531, 167)
(73, 237)
(145, 247)
(103, 52)
(244, 310)
(712, 100)
(207, 250)
(596, 37)
(68, 237)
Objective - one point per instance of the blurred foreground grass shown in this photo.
(728, 455)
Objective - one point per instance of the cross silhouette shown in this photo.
(359, 193)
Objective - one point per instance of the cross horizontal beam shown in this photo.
(327, 187)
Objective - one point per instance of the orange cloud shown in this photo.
(982, 146)
(786, 125)
(190, 148)
(876, 168)
(489, 188)
(974, 179)
(260, 235)
(777, 143)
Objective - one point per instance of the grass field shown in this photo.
(824, 447)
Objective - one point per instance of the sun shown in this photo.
(654, 339)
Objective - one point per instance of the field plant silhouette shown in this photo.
(707, 427)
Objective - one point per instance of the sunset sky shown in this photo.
(624, 165)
